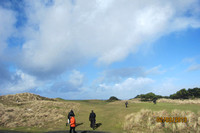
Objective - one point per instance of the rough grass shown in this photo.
(21, 98)
(145, 121)
(178, 101)
(36, 114)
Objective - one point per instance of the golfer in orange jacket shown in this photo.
(72, 124)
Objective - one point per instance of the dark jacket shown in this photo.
(71, 113)
(92, 116)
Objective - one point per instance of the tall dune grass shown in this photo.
(36, 114)
(145, 121)
(178, 101)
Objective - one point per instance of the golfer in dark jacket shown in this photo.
(154, 100)
(92, 119)
(126, 103)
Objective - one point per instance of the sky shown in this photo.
(94, 49)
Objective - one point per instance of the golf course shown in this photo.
(33, 113)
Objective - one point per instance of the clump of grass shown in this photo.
(146, 121)
(178, 101)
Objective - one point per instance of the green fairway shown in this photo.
(111, 115)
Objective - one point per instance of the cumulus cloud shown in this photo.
(76, 78)
(64, 34)
(19, 82)
(166, 86)
(7, 28)
(73, 83)
(118, 74)
(127, 88)
(60, 35)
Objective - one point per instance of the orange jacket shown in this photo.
(72, 122)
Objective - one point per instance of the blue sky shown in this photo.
(95, 49)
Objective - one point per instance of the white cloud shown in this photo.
(66, 83)
(7, 21)
(188, 60)
(128, 88)
(194, 67)
(76, 78)
(119, 74)
(20, 82)
(62, 35)
(65, 34)
(166, 86)
(132, 83)
(155, 70)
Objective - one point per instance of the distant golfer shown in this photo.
(72, 124)
(92, 119)
(154, 100)
(71, 113)
(126, 103)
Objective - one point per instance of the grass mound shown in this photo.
(146, 121)
(21, 97)
(40, 114)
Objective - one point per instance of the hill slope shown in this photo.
(30, 110)
(23, 97)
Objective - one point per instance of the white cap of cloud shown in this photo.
(64, 34)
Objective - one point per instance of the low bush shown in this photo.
(112, 99)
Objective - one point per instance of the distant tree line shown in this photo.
(181, 94)
(149, 96)
(186, 94)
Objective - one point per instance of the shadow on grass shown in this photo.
(78, 124)
(97, 125)
(91, 132)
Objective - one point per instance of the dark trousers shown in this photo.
(92, 123)
(72, 130)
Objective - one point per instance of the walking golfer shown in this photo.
(92, 119)
(72, 124)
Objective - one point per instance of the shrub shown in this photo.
(112, 99)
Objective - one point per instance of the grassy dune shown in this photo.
(46, 115)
